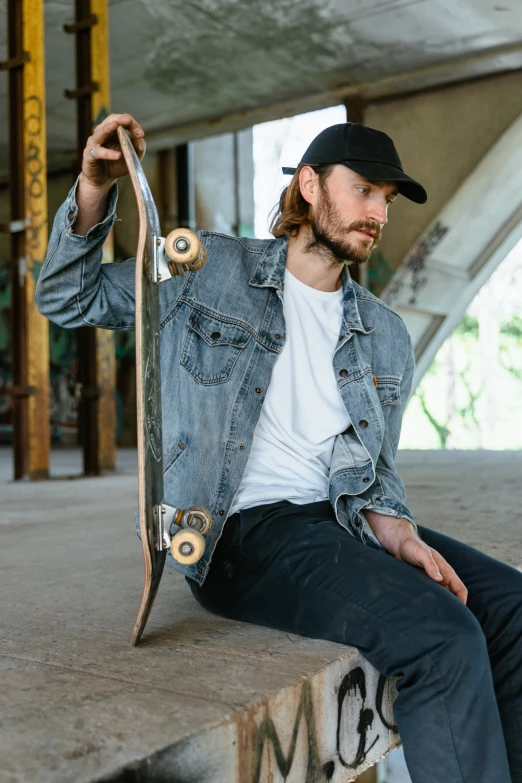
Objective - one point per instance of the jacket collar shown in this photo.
(270, 272)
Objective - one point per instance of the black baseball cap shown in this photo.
(369, 152)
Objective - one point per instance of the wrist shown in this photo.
(91, 191)
(390, 531)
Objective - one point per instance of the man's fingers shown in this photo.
(139, 146)
(101, 153)
(424, 557)
(107, 128)
(418, 553)
(450, 579)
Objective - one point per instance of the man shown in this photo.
(284, 384)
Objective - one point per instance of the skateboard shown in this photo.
(161, 526)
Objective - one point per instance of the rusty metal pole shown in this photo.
(96, 353)
(28, 229)
(355, 106)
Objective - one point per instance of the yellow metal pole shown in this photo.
(35, 197)
(105, 343)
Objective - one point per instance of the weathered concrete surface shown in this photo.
(475, 496)
(78, 703)
(202, 698)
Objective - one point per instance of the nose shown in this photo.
(379, 211)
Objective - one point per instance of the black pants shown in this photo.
(459, 708)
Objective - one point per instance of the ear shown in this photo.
(308, 182)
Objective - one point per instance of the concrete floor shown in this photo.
(77, 701)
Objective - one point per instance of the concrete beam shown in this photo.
(460, 250)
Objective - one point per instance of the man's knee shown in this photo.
(459, 645)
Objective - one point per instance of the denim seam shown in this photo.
(366, 611)
(50, 258)
(381, 304)
(248, 248)
(98, 324)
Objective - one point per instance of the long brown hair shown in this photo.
(293, 211)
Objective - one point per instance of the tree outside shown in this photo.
(470, 398)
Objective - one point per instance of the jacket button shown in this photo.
(70, 215)
(366, 479)
(363, 424)
(181, 444)
(215, 335)
(278, 336)
(341, 336)
(241, 446)
(258, 390)
(221, 513)
(343, 373)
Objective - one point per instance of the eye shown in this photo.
(364, 190)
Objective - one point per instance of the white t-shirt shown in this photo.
(303, 410)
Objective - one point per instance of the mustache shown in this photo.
(374, 228)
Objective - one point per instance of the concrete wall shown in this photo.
(224, 171)
(441, 136)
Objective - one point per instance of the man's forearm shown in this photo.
(389, 531)
(92, 205)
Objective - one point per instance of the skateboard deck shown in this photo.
(161, 526)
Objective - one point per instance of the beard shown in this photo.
(329, 235)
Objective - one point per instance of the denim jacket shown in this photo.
(222, 329)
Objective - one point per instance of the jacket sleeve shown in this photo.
(387, 495)
(74, 287)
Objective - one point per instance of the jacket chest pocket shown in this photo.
(212, 347)
(388, 390)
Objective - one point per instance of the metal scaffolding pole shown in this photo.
(28, 229)
(96, 353)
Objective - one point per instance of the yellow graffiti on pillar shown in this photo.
(35, 158)
(105, 344)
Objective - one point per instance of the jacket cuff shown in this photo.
(100, 230)
(390, 507)
(382, 504)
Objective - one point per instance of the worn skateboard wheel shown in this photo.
(187, 546)
(183, 247)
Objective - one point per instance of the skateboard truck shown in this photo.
(179, 253)
(186, 544)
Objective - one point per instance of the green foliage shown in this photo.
(442, 430)
(513, 328)
(468, 325)
(512, 333)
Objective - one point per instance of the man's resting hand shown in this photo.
(398, 536)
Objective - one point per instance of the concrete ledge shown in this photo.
(201, 699)
(327, 727)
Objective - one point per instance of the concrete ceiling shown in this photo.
(187, 68)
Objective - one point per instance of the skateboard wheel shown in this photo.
(197, 518)
(187, 546)
(183, 247)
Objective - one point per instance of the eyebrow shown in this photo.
(394, 193)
